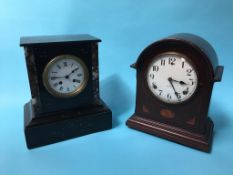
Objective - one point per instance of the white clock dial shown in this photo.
(65, 76)
(172, 78)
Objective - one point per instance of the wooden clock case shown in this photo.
(186, 123)
(49, 119)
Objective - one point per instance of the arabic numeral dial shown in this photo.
(172, 78)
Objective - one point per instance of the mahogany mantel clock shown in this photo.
(64, 82)
(175, 77)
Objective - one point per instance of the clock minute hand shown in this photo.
(176, 93)
(53, 78)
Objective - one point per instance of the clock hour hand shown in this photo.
(176, 93)
(73, 71)
(68, 76)
(181, 82)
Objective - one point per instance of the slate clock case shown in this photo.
(175, 77)
(52, 117)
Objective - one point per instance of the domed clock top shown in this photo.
(175, 78)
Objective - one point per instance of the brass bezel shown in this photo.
(70, 94)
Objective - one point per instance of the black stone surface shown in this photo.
(66, 125)
(59, 39)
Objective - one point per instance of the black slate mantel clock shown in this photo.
(175, 77)
(64, 81)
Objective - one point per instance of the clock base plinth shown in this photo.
(202, 142)
(60, 126)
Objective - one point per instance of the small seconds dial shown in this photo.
(172, 78)
(65, 76)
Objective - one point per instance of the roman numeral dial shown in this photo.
(172, 78)
(65, 76)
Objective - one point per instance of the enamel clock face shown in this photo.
(65, 76)
(171, 78)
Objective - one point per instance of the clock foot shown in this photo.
(202, 142)
(56, 127)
